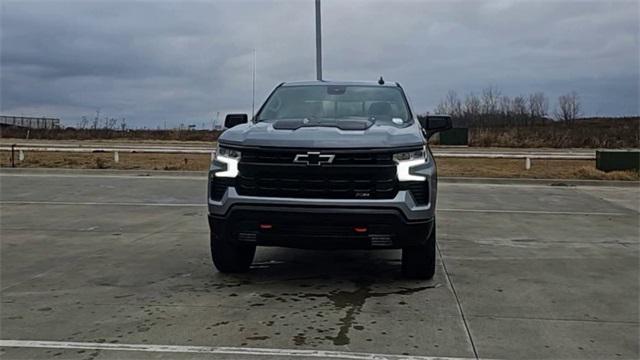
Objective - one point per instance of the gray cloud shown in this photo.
(181, 62)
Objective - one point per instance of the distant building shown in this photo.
(29, 122)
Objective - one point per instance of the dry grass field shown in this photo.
(510, 168)
(584, 133)
(540, 169)
(128, 161)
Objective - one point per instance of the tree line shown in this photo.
(104, 123)
(491, 108)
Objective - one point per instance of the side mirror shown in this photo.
(435, 123)
(232, 120)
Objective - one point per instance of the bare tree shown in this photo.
(490, 98)
(110, 123)
(451, 105)
(568, 107)
(84, 122)
(441, 108)
(492, 108)
(519, 109)
(519, 105)
(123, 124)
(538, 105)
(472, 105)
(96, 120)
(505, 105)
(454, 103)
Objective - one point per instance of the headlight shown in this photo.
(411, 155)
(230, 157)
(228, 153)
(406, 160)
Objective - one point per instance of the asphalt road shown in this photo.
(102, 266)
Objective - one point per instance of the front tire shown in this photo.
(419, 261)
(230, 257)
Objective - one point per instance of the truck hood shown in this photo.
(263, 134)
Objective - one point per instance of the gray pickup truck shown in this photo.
(326, 165)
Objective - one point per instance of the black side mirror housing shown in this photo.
(435, 123)
(232, 120)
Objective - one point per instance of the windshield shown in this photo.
(336, 102)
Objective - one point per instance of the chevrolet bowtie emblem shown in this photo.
(313, 158)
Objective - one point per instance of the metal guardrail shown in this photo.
(21, 149)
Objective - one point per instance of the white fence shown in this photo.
(20, 150)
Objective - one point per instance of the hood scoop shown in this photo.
(343, 124)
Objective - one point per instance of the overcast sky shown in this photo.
(182, 62)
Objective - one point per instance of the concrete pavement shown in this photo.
(525, 271)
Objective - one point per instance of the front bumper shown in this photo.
(320, 227)
(402, 202)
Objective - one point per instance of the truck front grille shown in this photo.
(344, 158)
(364, 175)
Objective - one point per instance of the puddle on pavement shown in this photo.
(352, 302)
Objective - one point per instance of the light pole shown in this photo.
(318, 42)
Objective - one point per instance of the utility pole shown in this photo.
(318, 42)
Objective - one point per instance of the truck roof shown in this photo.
(339, 83)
